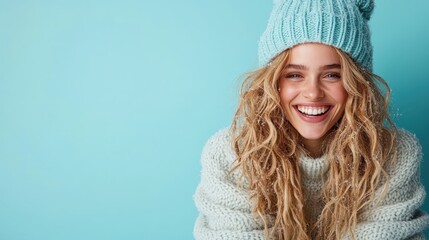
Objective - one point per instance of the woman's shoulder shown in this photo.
(219, 138)
(408, 144)
(218, 153)
(408, 155)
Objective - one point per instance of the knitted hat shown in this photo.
(339, 23)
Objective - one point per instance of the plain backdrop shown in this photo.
(106, 105)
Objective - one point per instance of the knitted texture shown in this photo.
(339, 23)
(225, 209)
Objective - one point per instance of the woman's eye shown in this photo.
(293, 75)
(333, 76)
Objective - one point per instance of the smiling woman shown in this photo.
(311, 152)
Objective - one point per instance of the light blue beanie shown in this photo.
(339, 23)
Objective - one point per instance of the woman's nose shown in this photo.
(313, 90)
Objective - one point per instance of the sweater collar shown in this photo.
(313, 168)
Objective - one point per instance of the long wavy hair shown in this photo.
(357, 149)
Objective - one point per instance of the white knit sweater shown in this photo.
(225, 208)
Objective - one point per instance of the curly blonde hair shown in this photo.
(357, 148)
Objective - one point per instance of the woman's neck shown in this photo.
(314, 147)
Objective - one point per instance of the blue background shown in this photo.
(106, 105)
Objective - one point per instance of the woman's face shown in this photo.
(312, 92)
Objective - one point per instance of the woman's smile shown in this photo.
(312, 113)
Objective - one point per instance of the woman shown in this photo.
(312, 153)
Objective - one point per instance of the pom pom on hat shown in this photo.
(366, 7)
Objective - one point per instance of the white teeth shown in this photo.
(312, 110)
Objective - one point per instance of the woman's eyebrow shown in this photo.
(296, 66)
(302, 67)
(331, 66)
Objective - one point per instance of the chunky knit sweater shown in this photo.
(225, 207)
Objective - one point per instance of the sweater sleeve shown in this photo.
(224, 208)
(399, 216)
